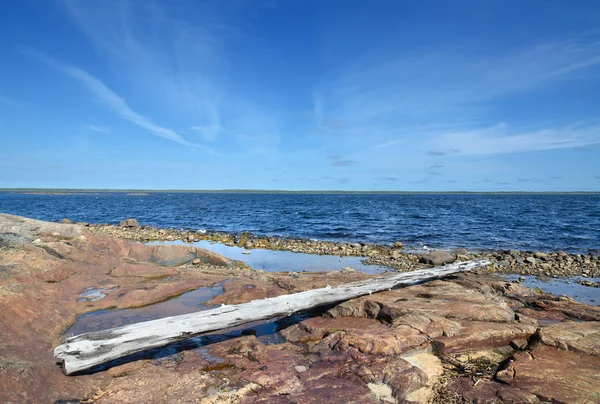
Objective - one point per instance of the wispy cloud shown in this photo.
(99, 129)
(180, 63)
(344, 163)
(424, 94)
(340, 161)
(111, 99)
(503, 139)
(209, 133)
(392, 179)
(537, 180)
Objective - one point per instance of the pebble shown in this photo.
(557, 264)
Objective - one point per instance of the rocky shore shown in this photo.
(555, 264)
(465, 338)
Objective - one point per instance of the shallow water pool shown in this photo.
(282, 261)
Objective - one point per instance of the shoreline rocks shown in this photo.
(537, 263)
(468, 337)
(129, 223)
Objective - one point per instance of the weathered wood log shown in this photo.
(94, 348)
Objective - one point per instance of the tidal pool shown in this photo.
(282, 261)
(563, 286)
(104, 319)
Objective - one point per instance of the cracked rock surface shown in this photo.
(466, 338)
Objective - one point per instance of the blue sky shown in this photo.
(301, 95)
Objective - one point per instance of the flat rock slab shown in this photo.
(578, 337)
(555, 375)
(359, 351)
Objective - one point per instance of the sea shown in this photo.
(530, 222)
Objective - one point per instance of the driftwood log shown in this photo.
(87, 350)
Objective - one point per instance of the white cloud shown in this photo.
(112, 100)
(99, 129)
(503, 139)
(209, 132)
(387, 98)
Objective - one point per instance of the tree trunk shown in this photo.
(84, 351)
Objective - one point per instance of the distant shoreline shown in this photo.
(144, 192)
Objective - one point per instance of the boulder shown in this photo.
(460, 251)
(67, 221)
(131, 222)
(437, 258)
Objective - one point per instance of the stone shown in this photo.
(67, 221)
(554, 375)
(131, 222)
(575, 336)
(460, 251)
(530, 260)
(437, 258)
(398, 244)
(514, 253)
(382, 347)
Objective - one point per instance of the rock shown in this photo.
(530, 260)
(131, 222)
(540, 255)
(555, 375)
(67, 221)
(437, 258)
(460, 251)
(389, 346)
(514, 253)
(578, 337)
(398, 244)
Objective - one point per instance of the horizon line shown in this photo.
(275, 191)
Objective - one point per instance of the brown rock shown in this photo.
(126, 269)
(555, 375)
(460, 251)
(489, 391)
(579, 337)
(357, 352)
(131, 222)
